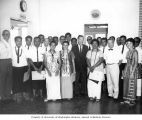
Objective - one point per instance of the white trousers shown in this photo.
(94, 89)
(113, 80)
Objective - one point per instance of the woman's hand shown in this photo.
(49, 73)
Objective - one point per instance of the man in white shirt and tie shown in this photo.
(113, 58)
(5, 66)
(37, 65)
(123, 49)
(89, 39)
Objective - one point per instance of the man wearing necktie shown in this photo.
(89, 39)
(20, 66)
(112, 57)
(80, 84)
(123, 49)
(36, 57)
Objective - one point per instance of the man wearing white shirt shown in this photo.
(41, 37)
(37, 65)
(113, 58)
(68, 37)
(20, 66)
(5, 66)
(46, 45)
(89, 39)
(103, 44)
(59, 46)
(123, 49)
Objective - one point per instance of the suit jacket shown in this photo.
(80, 58)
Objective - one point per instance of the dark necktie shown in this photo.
(122, 49)
(103, 49)
(18, 55)
(89, 47)
(37, 55)
(28, 47)
(46, 48)
(80, 49)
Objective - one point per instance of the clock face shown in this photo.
(23, 5)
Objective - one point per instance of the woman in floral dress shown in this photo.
(52, 64)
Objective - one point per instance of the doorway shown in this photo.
(18, 28)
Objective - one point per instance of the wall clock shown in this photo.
(23, 5)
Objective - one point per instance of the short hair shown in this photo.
(131, 40)
(53, 41)
(73, 39)
(67, 34)
(30, 37)
(17, 38)
(36, 38)
(40, 35)
(62, 36)
(79, 36)
(104, 39)
(66, 42)
(123, 36)
(95, 40)
(5, 31)
(137, 38)
(55, 37)
(112, 37)
(88, 37)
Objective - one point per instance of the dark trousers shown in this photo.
(5, 78)
(80, 84)
(121, 67)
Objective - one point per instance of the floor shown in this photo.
(74, 106)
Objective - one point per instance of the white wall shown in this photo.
(60, 16)
(56, 17)
(11, 9)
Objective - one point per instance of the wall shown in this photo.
(60, 16)
(56, 17)
(11, 9)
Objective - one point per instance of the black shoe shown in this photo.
(110, 97)
(115, 100)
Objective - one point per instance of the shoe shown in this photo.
(97, 100)
(110, 97)
(115, 100)
(45, 100)
(91, 98)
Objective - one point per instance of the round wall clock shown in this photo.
(95, 13)
(23, 5)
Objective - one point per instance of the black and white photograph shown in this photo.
(70, 59)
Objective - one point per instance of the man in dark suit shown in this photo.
(80, 85)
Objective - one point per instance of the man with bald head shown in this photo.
(5, 66)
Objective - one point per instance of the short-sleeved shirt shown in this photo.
(94, 57)
(22, 58)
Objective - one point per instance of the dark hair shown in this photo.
(30, 37)
(95, 40)
(79, 36)
(104, 39)
(17, 38)
(130, 40)
(123, 36)
(138, 39)
(73, 39)
(36, 38)
(55, 37)
(66, 42)
(67, 34)
(53, 41)
(40, 35)
(112, 37)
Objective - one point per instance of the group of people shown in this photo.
(66, 67)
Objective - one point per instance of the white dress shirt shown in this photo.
(125, 50)
(58, 47)
(22, 57)
(112, 56)
(37, 57)
(28, 50)
(139, 49)
(102, 48)
(5, 50)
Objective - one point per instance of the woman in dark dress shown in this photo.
(130, 74)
